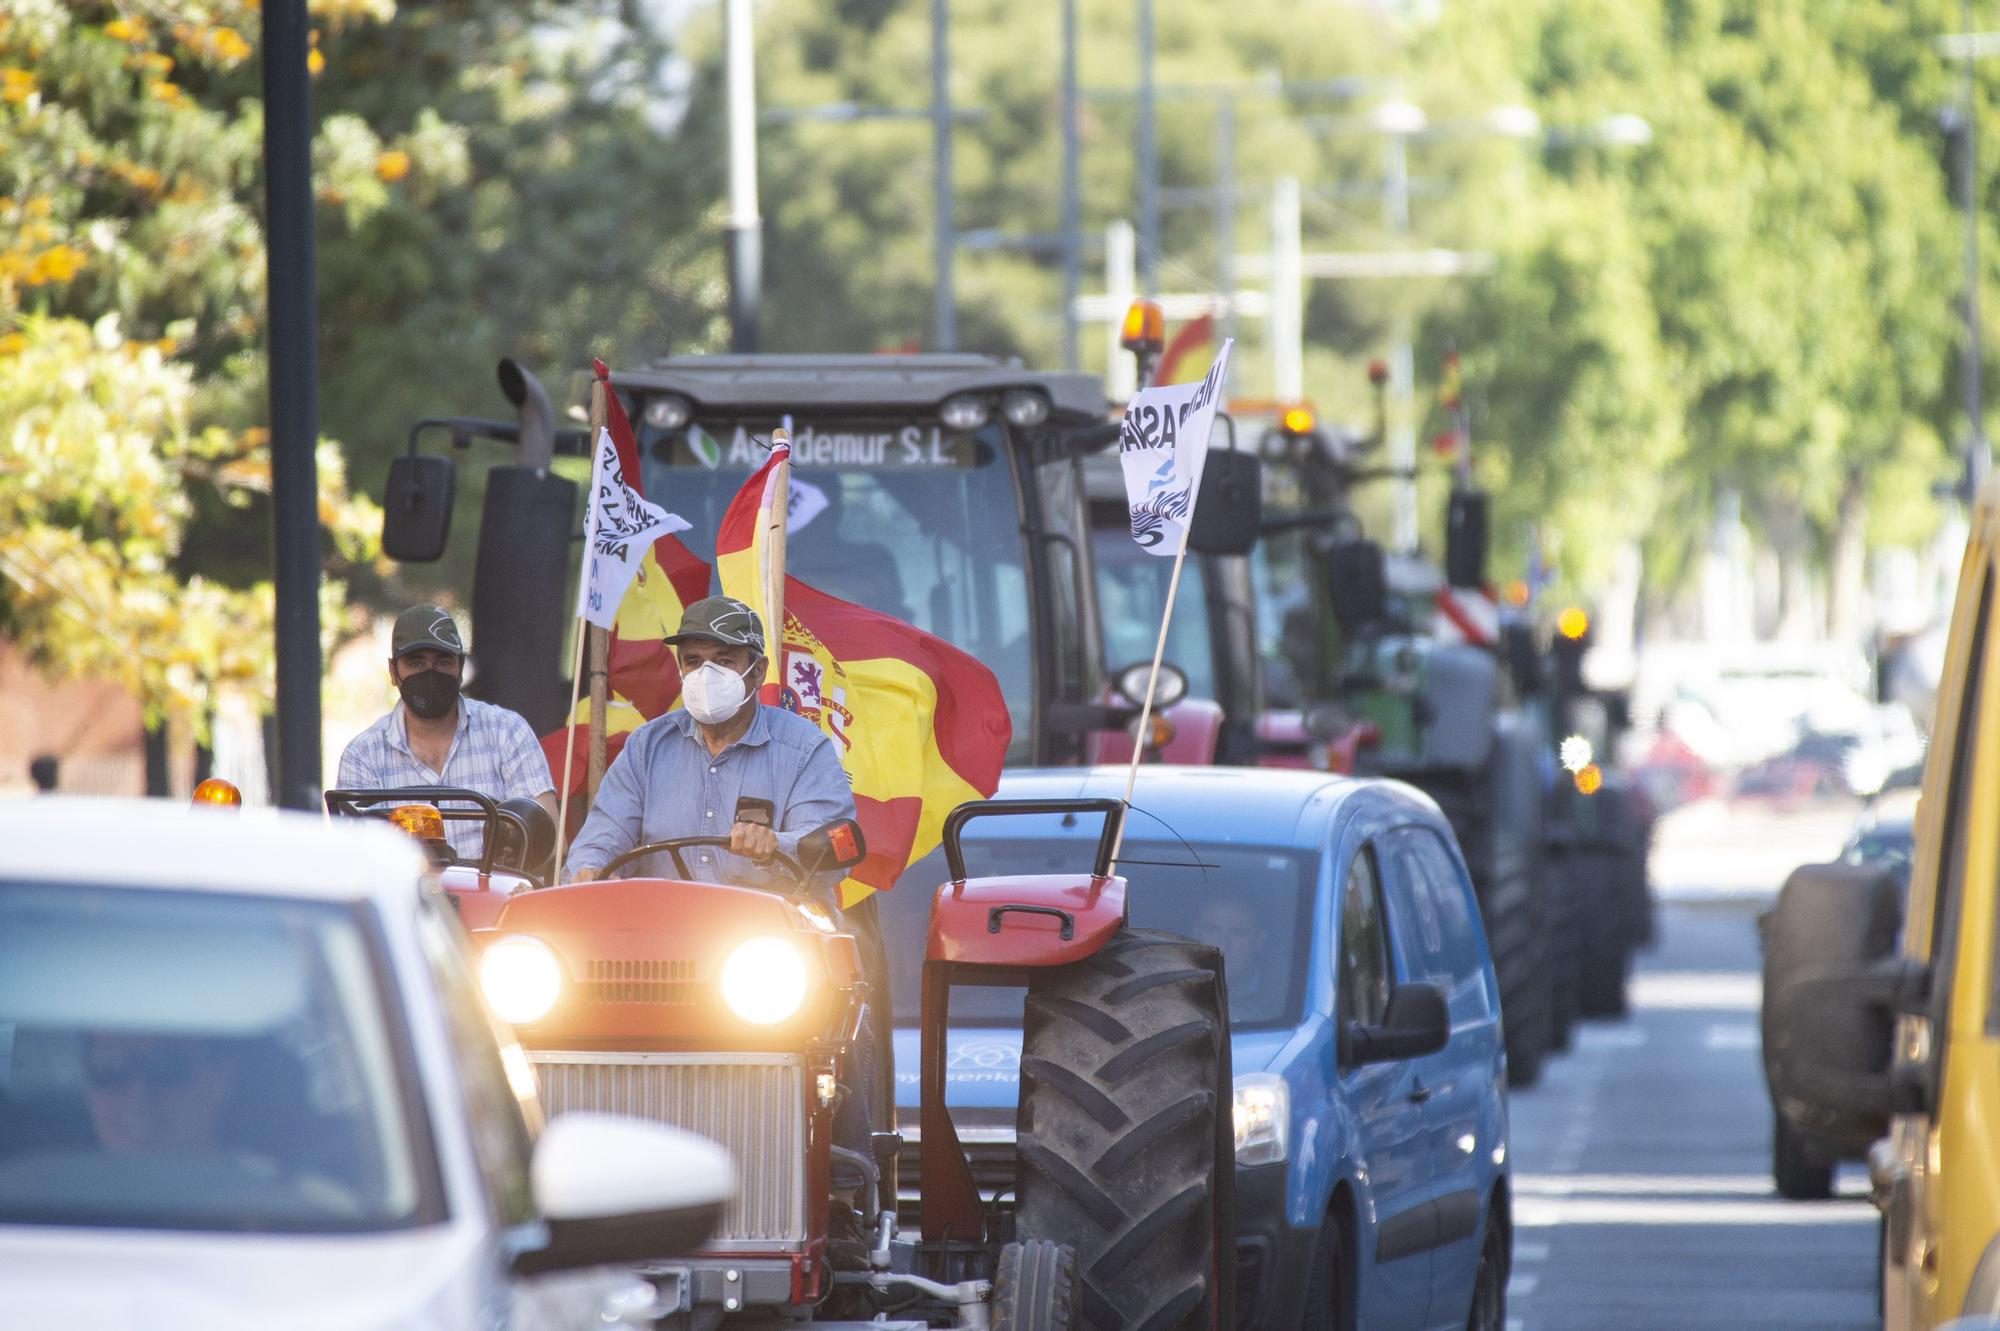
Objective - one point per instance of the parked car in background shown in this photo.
(246, 1081)
(1372, 1171)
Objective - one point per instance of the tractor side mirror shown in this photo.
(1357, 584)
(838, 845)
(1415, 1023)
(1466, 538)
(1229, 511)
(416, 507)
(612, 1191)
(534, 843)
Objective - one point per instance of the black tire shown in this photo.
(1121, 1130)
(1799, 1175)
(1034, 1288)
(1330, 1285)
(1566, 1003)
(1606, 968)
(1489, 1281)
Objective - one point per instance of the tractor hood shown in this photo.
(652, 963)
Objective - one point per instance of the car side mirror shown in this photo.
(416, 507)
(1415, 1023)
(613, 1191)
(838, 845)
(1229, 510)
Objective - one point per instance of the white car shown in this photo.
(246, 1081)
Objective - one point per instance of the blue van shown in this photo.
(1373, 1194)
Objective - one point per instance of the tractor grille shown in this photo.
(668, 983)
(754, 1105)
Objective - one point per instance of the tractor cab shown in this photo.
(516, 841)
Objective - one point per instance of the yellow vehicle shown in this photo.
(1910, 1038)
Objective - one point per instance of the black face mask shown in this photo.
(429, 694)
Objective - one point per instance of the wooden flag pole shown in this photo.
(774, 566)
(600, 639)
(569, 750)
(1152, 683)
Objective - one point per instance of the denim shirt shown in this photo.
(666, 784)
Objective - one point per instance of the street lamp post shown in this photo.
(944, 241)
(1978, 454)
(292, 327)
(1072, 193)
(1149, 161)
(744, 236)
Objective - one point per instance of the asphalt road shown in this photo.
(1643, 1186)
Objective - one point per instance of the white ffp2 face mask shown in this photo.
(713, 693)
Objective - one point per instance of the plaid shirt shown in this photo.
(494, 752)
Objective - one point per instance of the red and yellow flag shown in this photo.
(920, 726)
(645, 680)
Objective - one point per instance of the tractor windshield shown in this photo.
(199, 1061)
(912, 520)
(1253, 902)
(1131, 594)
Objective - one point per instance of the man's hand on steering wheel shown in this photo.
(753, 841)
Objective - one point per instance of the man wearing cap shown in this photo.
(722, 752)
(436, 737)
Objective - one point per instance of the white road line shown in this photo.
(1530, 1252)
(1516, 1324)
(1643, 1185)
(1542, 1212)
(1736, 991)
(1733, 1036)
(1520, 1286)
(1592, 1039)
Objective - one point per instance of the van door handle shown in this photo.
(1419, 1092)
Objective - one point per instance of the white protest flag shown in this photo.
(1163, 446)
(619, 527)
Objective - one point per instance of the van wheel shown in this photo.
(1330, 1286)
(1489, 1282)
(1123, 1127)
(1799, 1177)
(1034, 1288)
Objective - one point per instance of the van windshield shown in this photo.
(198, 1061)
(1131, 596)
(1253, 902)
(908, 519)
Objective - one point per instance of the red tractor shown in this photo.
(519, 841)
(736, 1012)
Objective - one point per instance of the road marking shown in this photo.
(1520, 1286)
(1643, 1185)
(1738, 991)
(1531, 1252)
(1593, 1038)
(1516, 1324)
(1542, 1212)
(1733, 1036)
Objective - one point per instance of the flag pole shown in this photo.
(1152, 682)
(774, 567)
(600, 638)
(569, 746)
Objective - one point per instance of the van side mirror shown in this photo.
(838, 845)
(612, 1191)
(1415, 1023)
(1357, 584)
(416, 507)
(1229, 511)
(1466, 538)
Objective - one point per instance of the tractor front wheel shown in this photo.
(1034, 1287)
(1123, 1131)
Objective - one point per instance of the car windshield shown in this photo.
(1287, 622)
(909, 519)
(1253, 902)
(199, 1061)
(1132, 592)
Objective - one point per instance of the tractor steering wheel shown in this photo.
(675, 845)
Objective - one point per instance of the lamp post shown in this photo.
(945, 314)
(744, 236)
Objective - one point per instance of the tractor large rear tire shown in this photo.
(1124, 1132)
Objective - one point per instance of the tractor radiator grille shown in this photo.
(754, 1105)
(662, 982)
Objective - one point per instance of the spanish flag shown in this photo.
(920, 726)
(645, 680)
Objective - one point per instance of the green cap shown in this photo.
(722, 619)
(426, 627)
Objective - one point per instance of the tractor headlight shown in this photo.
(1263, 1116)
(764, 981)
(522, 977)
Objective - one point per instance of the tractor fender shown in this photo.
(1030, 920)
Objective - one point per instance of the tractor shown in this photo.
(736, 1012)
(514, 855)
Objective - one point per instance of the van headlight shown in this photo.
(522, 978)
(764, 981)
(1263, 1115)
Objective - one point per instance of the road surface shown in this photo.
(1643, 1188)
